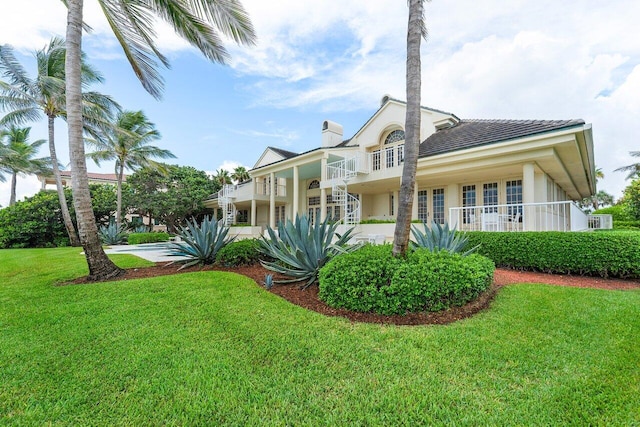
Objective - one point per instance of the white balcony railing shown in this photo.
(387, 158)
(553, 216)
(600, 222)
(263, 187)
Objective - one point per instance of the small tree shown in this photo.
(127, 143)
(172, 198)
(631, 199)
(21, 156)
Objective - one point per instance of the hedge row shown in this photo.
(589, 254)
(372, 280)
(626, 225)
(138, 238)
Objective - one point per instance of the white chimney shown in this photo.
(331, 134)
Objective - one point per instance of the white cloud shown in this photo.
(543, 59)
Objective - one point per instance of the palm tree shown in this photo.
(26, 99)
(4, 156)
(20, 158)
(416, 30)
(197, 21)
(633, 169)
(240, 174)
(127, 144)
(222, 177)
(599, 174)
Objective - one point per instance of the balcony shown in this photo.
(554, 216)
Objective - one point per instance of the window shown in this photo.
(392, 205)
(314, 184)
(389, 155)
(395, 136)
(514, 197)
(490, 197)
(468, 201)
(438, 205)
(400, 154)
(314, 201)
(242, 216)
(423, 214)
(376, 160)
(280, 214)
(314, 215)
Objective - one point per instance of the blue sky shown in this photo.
(334, 60)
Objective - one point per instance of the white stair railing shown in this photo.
(339, 174)
(225, 196)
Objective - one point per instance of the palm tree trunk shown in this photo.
(119, 195)
(100, 266)
(12, 199)
(66, 216)
(412, 130)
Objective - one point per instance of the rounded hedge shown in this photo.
(238, 253)
(372, 280)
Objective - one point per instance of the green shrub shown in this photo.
(33, 222)
(605, 254)
(240, 252)
(372, 280)
(626, 225)
(139, 238)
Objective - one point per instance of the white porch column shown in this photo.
(452, 202)
(396, 195)
(323, 204)
(529, 196)
(272, 200)
(414, 208)
(296, 191)
(323, 191)
(253, 212)
(323, 168)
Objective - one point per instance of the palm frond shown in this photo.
(12, 69)
(132, 26)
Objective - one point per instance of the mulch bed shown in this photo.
(309, 297)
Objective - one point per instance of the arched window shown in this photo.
(395, 136)
(314, 184)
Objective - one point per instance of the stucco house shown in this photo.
(490, 175)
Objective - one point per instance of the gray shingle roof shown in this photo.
(473, 133)
(284, 153)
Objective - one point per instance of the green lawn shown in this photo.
(212, 348)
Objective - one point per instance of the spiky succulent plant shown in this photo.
(201, 242)
(440, 238)
(300, 248)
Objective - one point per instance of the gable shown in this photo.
(391, 116)
(273, 155)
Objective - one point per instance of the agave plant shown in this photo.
(440, 238)
(139, 228)
(201, 242)
(302, 248)
(113, 234)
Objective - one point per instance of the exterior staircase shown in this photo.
(225, 201)
(339, 173)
